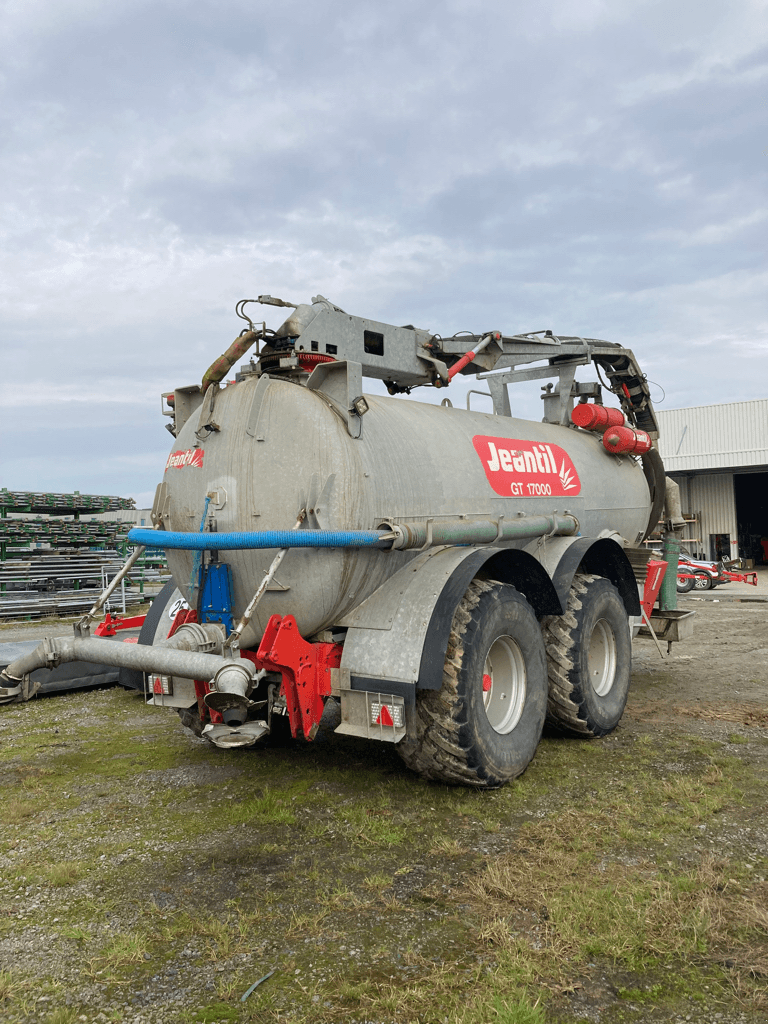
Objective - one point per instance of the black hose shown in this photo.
(656, 476)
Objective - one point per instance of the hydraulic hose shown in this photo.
(653, 468)
(220, 367)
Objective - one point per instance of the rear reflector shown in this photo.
(162, 685)
(387, 714)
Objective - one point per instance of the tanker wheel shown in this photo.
(190, 719)
(684, 585)
(702, 581)
(154, 628)
(483, 726)
(588, 659)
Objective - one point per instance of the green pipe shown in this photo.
(670, 552)
(484, 531)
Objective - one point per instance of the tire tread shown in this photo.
(565, 710)
(435, 751)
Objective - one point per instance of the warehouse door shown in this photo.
(751, 492)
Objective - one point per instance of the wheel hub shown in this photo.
(601, 658)
(504, 684)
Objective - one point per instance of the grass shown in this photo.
(125, 950)
(370, 825)
(8, 986)
(62, 1015)
(272, 807)
(735, 737)
(65, 872)
(516, 1011)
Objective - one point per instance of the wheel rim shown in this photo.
(601, 658)
(701, 582)
(504, 684)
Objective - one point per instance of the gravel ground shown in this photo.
(150, 879)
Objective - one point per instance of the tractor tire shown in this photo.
(589, 659)
(703, 581)
(684, 585)
(190, 720)
(482, 727)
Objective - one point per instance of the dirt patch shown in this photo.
(151, 879)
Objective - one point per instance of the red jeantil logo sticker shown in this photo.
(191, 457)
(527, 469)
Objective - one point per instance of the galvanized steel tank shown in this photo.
(281, 446)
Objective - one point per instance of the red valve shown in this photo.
(626, 441)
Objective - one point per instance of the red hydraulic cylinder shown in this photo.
(589, 416)
(626, 441)
(467, 359)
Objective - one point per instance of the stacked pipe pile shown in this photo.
(52, 504)
(68, 533)
(78, 557)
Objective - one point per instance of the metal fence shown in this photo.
(55, 584)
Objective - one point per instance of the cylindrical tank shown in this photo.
(281, 447)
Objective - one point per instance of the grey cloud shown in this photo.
(597, 168)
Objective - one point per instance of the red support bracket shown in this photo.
(653, 581)
(112, 624)
(305, 668)
(741, 577)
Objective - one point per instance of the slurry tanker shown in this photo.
(433, 577)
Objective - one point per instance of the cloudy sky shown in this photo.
(594, 166)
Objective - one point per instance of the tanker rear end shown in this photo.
(470, 575)
(415, 574)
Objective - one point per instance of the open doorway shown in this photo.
(751, 493)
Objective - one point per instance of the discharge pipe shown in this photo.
(396, 537)
(179, 655)
(670, 548)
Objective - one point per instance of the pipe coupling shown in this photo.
(233, 678)
(229, 693)
(402, 538)
(206, 638)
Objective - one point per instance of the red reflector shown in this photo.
(487, 683)
(157, 686)
(384, 716)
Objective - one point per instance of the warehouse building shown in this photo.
(718, 454)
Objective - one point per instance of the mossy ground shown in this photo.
(147, 876)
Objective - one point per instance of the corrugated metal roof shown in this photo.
(723, 436)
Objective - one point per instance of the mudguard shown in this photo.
(396, 639)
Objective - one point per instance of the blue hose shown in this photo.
(258, 539)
